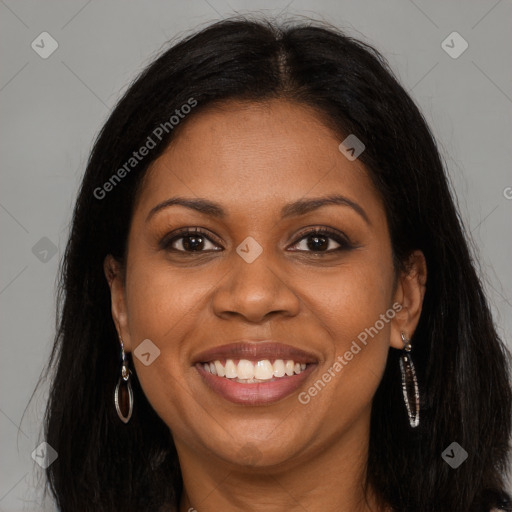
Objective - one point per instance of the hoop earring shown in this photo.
(124, 405)
(410, 384)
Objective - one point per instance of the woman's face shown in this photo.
(254, 286)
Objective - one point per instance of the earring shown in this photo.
(124, 385)
(410, 384)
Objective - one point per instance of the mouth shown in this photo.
(246, 371)
(254, 373)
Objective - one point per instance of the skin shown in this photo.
(253, 158)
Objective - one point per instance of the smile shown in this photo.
(254, 373)
(249, 372)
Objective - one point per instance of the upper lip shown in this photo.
(266, 349)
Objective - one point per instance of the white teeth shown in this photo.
(245, 369)
(230, 369)
(220, 369)
(263, 370)
(279, 368)
(254, 371)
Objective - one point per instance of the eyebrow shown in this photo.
(300, 207)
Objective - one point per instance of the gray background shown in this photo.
(52, 108)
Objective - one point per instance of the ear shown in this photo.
(116, 281)
(410, 291)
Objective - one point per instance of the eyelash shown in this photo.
(330, 233)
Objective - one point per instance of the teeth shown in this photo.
(220, 369)
(254, 371)
(279, 368)
(230, 369)
(245, 370)
(263, 370)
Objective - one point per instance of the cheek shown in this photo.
(162, 302)
(353, 307)
(351, 298)
(163, 306)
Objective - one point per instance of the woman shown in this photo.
(268, 302)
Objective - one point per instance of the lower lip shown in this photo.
(257, 393)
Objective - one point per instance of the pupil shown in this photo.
(193, 242)
(323, 243)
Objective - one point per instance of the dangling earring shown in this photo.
(410, 384)
(124, 385)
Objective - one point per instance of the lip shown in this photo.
(255, 351)
(258, 393)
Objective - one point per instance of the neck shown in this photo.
(330, 478)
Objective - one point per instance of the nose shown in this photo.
(255, 291)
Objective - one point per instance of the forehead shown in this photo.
(250, 155)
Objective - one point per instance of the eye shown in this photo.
(319, 240)
(315, 240)
(188, 240)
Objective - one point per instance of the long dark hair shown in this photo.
(462, 365)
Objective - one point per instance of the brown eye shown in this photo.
(322, 241)
(188, 240)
